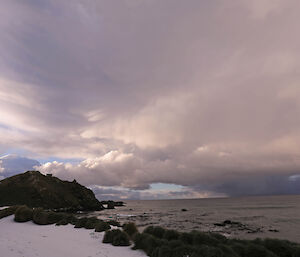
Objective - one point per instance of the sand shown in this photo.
(30, 240)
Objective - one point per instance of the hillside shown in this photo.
(37, 190)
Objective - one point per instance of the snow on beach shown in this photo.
(30, 240)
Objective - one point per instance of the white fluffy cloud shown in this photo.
(208, 170)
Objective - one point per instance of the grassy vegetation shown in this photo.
(8, 211)
(81, 223)
(23, 214)
(116, 237)
(42, 217)
(88, 223)
(131, 229)
(102, 226)
(91, 223)
(160, 242)
(45, 217)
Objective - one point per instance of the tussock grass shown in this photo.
(23, 214)
(160, 242)
(43, 217)
(8, 211)
(116, 237)
(102, 226)
(131, 229)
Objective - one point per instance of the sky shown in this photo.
(151, 99)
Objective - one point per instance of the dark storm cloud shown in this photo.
(254, 185)
(203, 94)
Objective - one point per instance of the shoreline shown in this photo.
(266, 217)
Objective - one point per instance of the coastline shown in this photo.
(261, 216)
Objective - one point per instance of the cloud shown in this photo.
(260, 9)
(294, 178)
(112, 169)
(207, 171)
(205, 95)
(118, 193)
(13, 164)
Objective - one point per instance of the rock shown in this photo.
(274, 230)
(234, 226)
(183, 209)
(219, 224)
(228, 222)
(111, 204)
(119, 204)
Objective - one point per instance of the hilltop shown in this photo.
(37, 190)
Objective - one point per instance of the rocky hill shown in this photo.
(37, 190)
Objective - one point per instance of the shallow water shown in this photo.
(264, 216)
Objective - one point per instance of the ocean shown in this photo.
(243, 217)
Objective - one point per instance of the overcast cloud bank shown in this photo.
(203, 94)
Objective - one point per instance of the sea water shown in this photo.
(245, 217)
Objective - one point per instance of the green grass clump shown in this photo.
(80, 223)
(62, 222)
(148, 243)
(160, 242)
(91, 223)
(140, 241)
(43, 217)
(186, 238)
(87, 223)
(131, 229)
(108, 236)
(8, 211)
(282, 248)
(116, 237)
(201, 238)
(164, 251)
(255, 250)
(171, 235)
(102, 226)
(23, 214)
(208, 251)
(67, 219)
(155, 231)
(156, 247)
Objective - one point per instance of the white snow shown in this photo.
(30, 240)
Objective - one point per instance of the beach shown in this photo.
(31, 240)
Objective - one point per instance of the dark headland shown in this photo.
(37, 190)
